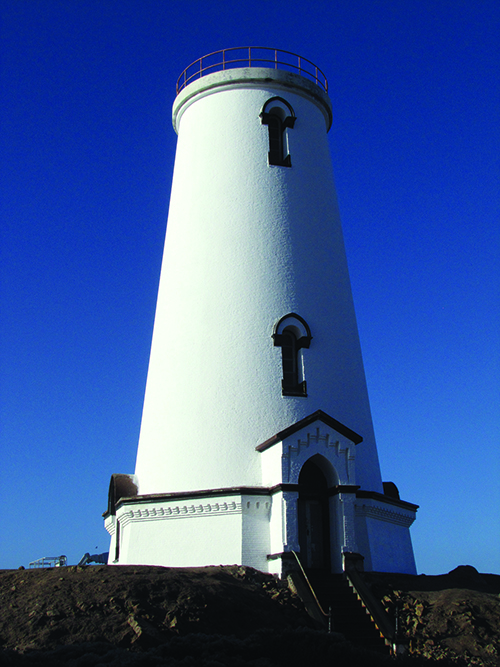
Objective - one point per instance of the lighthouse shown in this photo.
(256, 439)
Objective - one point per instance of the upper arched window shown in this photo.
(278, 115)
(292, 334)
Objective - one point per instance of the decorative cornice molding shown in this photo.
(179, 511)
(387, 500)
(151, 498)
(318, 438)
(110, 524)
(385, 514)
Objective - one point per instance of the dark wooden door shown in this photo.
(314, 533)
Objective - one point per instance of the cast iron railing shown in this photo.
(251, 56)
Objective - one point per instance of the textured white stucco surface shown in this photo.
(246, 244)
(383, 536)
(189, 532)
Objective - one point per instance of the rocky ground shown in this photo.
(455, 616)
(229, 616)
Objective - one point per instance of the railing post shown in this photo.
(317, 75)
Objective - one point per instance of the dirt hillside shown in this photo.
(456, 615)
(218, 616)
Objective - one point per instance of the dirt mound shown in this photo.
(454, 616)
(217, 616)
(132, 605)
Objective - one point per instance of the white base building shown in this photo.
(256, 438)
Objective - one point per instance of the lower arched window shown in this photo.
(292, 334)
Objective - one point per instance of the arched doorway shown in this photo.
(314, 517)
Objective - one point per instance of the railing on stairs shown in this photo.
(323, 615)
(377, 613)
(382, 622)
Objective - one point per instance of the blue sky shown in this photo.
(86, 155)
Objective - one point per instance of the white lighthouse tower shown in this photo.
(256, 436)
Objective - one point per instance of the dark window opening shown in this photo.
(292, 334)
(276, 142)
(278, 115)
(289, 358)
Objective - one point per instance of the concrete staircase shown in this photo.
(349, 615)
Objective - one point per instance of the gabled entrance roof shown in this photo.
(319, 415)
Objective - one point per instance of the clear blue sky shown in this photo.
(87, 151)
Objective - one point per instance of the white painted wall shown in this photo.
(110, 525)
(256, 543)
(182, 532)
(247, 243)
(277, 524)
(383, 536)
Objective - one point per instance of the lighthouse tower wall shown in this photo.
(256, 438)
(247, 243)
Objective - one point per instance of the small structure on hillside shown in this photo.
(49, 561)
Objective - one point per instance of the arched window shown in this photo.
(289, 358)
(278, 115)
(292, 334)
(275, 127)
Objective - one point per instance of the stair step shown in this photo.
(349, 616)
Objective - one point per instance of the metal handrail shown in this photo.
(218, 61)
(49, 561)
(378, 615)
(327, 615)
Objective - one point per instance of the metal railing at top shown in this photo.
(251, 56)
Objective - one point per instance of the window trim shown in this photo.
(296, 326)
(276, 155)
